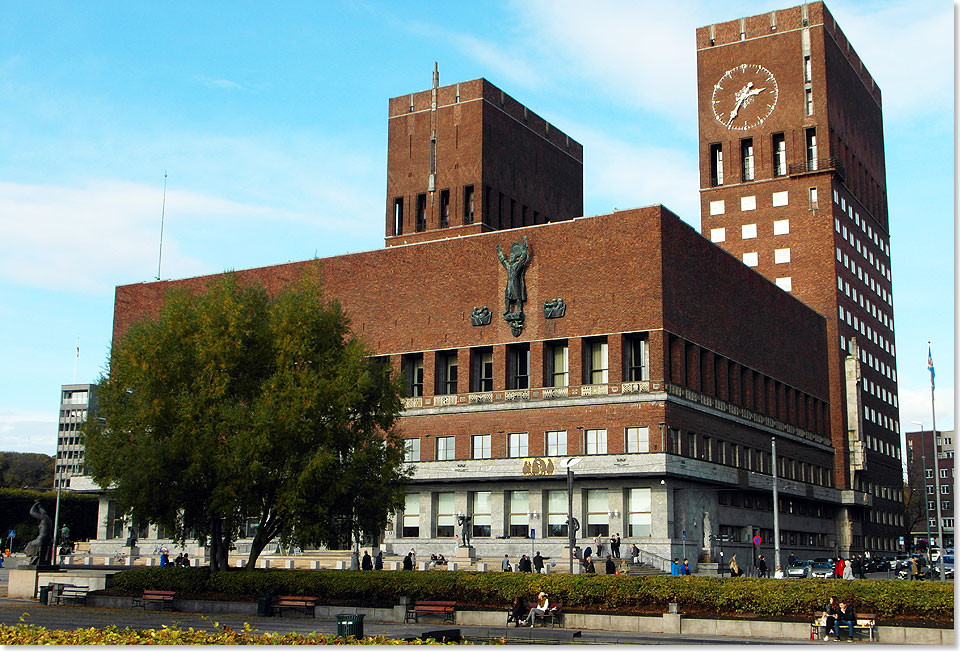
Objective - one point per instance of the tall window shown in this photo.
(411, 450)
(444, 208)
(468, 204)
(716, 164)
(635, 357)
(519, 518)
(398, 216)
(808, 100)
(811, 136)
(517, 444)
(481, 369)
(445, 448)
(597, 361)
(557, 514)
(598, 518)
(779, 155)
(556, 444)
(482, 514)
(413, 374)
(807, 72)
(557, 374)
(814, 204)
(638, 517)
(596, 441)
(480, 446)
(746, 158)
(518, 358)
(411, 515)
(447, 372)
(421, 212)
(638, 440)
(445, 517)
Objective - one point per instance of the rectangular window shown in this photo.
(468, 204)
(781, 256)
(557, 371)
(398, 216)
(746, 158)
(421, 224)
(751, 259)
(944, 473)
(447, 372)
(748, 203)
(814, 204)
(808, 100)
(411, 450)
(413, 374)
(779, 155)
(811, 136)
(481, 369)
(717, 207)
(748, 231)
(781, 227)
(445, 515)
(638, 440)
(944, 490)
(780, 198)
(519, 514)
(446, 450)
(482, 514)
(595, 441)
(517, 445)
(557, 513)
(444, 208)
(716, 164)
(597, 369)
(638, 517)
(518, 370)
(635, 358)
(718, 234)
(807, 72)
(598, 518)
(411, 515)
(556, 444)
(480, 444)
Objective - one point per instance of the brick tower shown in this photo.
(793, 183)
(468, 158)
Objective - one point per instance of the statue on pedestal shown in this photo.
(464, 522)
(38, 549)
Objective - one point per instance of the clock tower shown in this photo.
(793, 184)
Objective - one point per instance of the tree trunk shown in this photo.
(260, 541)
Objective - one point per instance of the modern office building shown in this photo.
(923, 473)
(528, 335)
(76, 403)
(793, 184)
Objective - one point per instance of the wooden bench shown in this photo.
(554, 614)
(297, 602)
(865, 622)
(445, 608)
(71, 592)
(162, 597)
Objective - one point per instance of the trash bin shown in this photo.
(350, 624)
(263, 605)
(44, 595)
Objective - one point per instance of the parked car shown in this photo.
(822, 569)
(879, 564)
(800, 570)
(947, 567)
(900, 562)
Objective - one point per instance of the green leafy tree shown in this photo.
(232, 404)
(21, 469)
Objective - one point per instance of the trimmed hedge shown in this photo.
(931, 601)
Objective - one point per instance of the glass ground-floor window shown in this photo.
(638, 518)
(557, 505)
(598, 517)
(445, 515)
(482, 514)
(411, 515)
(519, 518)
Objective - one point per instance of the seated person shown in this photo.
(830, 612)
(543, 605)
(516, 611)
(846, 617)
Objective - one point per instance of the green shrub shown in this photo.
(623, 594)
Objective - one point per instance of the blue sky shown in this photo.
(270, 120)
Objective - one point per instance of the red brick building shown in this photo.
(793, 184)
(627, 340)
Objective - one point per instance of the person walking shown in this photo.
(735, 567)
(855, 566)
(408, 561)
(635, 554)
(675, 567)
(761, 567)
(505, 564)
(366, 563)
(848, 572)
(538, 563)
(378, 561)
(838, 568)
(685, 568)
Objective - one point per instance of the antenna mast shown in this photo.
(163, 211)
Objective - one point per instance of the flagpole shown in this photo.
(936, 460)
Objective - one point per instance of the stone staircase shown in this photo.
(644, 569)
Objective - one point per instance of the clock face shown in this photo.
(745, 96)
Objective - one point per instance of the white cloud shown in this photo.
(915, 405)
(27, 432)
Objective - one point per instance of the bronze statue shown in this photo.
(464, 522)
(38, 549)
(516, 266)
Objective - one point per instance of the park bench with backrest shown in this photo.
(865, 622)
(554, 615)
(445, 608)
(296, 602)
(164, 598)
(66, 591)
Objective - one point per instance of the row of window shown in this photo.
(868, 358)
(883, 447)
(854, 215)
(944, 489)
(75, 397)
(555, 365)
(864, 276)
(944, 505)
(778, 149)
(749, 231)
(75, 414)
(68, 440)
(547, 512)
(871, 334)
(945, 473)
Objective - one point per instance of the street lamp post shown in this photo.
(926, 502)
(776, 504)
(571, 534)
